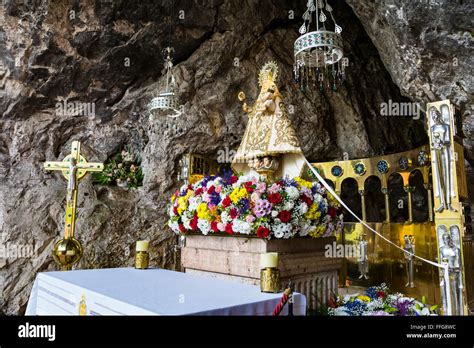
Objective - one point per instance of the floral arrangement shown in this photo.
(122, 170)
(378, 301)
(249, 205)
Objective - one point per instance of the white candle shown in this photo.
(269, 260)
(142, 245)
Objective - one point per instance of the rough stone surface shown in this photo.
(80, 50)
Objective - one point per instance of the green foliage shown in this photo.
(124, 167)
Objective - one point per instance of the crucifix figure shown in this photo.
(441, 143)
(74, 167)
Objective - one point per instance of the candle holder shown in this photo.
(142, 257)
(270, 280)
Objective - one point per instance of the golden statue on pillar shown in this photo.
(68, 250)
(269, 134)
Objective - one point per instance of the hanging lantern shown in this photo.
(166, 102)
(318, 53)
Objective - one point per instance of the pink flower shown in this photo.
(261, 187)
(250, 218)
(206, 198)
(274, 188)
(219, 189)
(221, 226)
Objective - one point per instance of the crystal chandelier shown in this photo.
(166, 103)
(318, 54)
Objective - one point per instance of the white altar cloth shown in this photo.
(127, 291)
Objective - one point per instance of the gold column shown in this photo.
(362, 200)
(387, 204)
(409, 190)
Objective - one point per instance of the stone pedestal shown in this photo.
(237, 258)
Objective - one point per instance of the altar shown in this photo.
(128, 291)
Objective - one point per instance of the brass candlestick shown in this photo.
(270, 280)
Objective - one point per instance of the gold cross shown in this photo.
(73, 167)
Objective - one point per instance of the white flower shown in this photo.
(186, 220)
(225, 217)
(303, 208)
(317, 197)
(340, 311)
(282, 230)
(375, 305)
(305, 228)
(292, 192)
(242, 226)
(193, 203)
(174, 226)
(274, 213)
(288, 205)
(278, 234)
(210, 183)
(204, 226)
(245, 178)
(171, 210)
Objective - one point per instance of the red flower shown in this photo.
(211, 189)
(262, 232)
(381, 294)
(233, 213)
(182, 229)
(274, 198)
(214, 226)
(332, 212)
(249, 187)
(233, 179)
(190, 187)
(284, 216)
(194, 223)
(228, 228)
(198, 191)
(175, 210)
(226, 202)
(306, 199)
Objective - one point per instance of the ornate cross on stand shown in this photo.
(68, 250)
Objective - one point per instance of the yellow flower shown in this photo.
(303, 183)
(317, 231)
(173, 198)
(182, 204)
(364, 298)
(313, 213)
(203, 211)
(333, 200)
(238, 194)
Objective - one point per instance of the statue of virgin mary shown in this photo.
(270, 146)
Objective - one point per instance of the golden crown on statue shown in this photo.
(268, 74)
